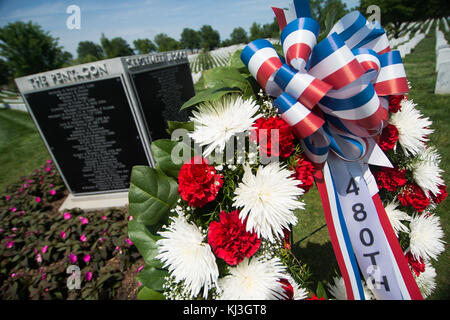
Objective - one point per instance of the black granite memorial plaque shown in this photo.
(91, 133)
(161, 92)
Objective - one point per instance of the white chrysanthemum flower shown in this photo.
(426, 281)
(412, 127)
(299, 292)
(215, 123)
(254, 279)
(338, 291)
(268, 200)
(187, 257)
(426, 171)
(426, 237)
(396, 217)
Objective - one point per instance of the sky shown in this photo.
(136, 19)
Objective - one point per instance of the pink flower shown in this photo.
(139, 269)
(67, 215)
(38, 258)
(130, 218)
(44, 249)
(8, 197)
(129, 241)
(44, 276)
(87, 258)
(72, 258)
(37, 199)
(48, 169)
(13, 209)
(84, 220)
(83, 238)
(62, 234)
(52, 192)
(104, 218)
(88, 276)
(139, 284)
(13, 275)
(9, 244)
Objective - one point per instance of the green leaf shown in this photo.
(162, 153)
(152, 278)
(145, 242)
(320, 291)
(253, 88)
(173, 125)
(210, 94)
(236, 61)
(224, 77)
(149, 294)
(152, 194)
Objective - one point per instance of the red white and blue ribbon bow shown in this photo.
(334, 95)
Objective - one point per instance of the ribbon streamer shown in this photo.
(334, 95)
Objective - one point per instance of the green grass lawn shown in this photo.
(22, 150)
(21, 147)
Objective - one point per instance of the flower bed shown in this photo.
(38, 243)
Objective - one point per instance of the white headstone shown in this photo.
(441, 46)
(443, 56)
(443, 79)
(445, 24)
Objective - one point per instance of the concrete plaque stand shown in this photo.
(95, 202)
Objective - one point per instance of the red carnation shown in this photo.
(388, 138)
(394, 103)
(288, 289)
(264, 138)
(229, 239)
(442, 194)
(315, 298)
(413, 195)
(287, 239)
(390, 178)
(418, 266)
(198, 182)
(304, 172)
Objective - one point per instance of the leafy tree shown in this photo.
(210, 37)
(327, 12)
(28, 49)
(143, 46)
(166, 43)
(4, 72)
(226, 43)
(190, 39)
(396, 12)
(268, 30)
(256, 31)
(116, 47)
(89, 51)
(238, 35)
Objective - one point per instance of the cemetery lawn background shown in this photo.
(22, 151)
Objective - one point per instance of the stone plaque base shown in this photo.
(95, 202)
